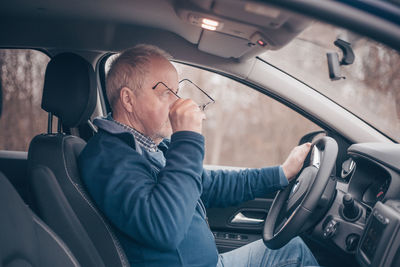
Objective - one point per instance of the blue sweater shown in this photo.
(156, 200)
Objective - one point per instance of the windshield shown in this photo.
(369, 88)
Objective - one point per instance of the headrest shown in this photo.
(69, 89)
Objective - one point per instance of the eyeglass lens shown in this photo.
(187, 89)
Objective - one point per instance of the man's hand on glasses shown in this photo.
(185, 115)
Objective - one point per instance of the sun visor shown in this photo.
(252, 13)
(223, 45)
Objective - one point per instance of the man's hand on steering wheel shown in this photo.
(295, 208)
(295, 160)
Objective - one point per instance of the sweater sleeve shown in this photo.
(154, 211)
(223, 188)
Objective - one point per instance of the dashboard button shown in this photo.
(330, 229)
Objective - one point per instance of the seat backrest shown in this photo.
(58, 195)
(25, 240)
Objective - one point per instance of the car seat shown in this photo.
(57, 193)
(24, 239)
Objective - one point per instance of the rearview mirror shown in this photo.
(333, 59)
(334, 66)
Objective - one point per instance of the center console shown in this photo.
(380, 243)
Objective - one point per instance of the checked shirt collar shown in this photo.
(143, 140)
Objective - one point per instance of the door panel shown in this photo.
(239, 225)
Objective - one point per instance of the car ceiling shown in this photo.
(108, 25)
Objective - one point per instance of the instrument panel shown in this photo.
(369, 181)
(376, 191)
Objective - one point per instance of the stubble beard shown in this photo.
(165, 131)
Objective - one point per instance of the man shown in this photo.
(154, 190)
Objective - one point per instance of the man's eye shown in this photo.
(166, 93)
(170, 92)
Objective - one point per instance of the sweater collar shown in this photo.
(108, 124)
(112, 126)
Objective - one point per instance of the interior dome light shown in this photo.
(210, 22)
(208, 27)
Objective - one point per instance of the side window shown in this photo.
(21, 80)
(245, 128)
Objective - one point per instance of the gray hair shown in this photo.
(129, 69)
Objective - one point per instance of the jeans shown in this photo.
(256, 254)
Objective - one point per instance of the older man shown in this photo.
(155, 190)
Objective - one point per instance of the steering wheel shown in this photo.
(294, 205)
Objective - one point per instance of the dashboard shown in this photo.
(375, 175)
(376, 191)
(370, 178)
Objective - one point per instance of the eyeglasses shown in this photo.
(185, 86)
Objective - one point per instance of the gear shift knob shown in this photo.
(350, 210)
(348, 200)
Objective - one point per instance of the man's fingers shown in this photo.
(185, 115)
(305, 149)
(181, 104)
(295, 160)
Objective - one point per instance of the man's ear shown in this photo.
(127, 98)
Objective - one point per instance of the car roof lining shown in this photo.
(96, 25)
(65, 24)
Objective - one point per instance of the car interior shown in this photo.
(345, 201)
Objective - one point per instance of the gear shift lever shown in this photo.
(351, 211)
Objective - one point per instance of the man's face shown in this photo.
(152, 106)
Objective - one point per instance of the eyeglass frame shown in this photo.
(203, 107)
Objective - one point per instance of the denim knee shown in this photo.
(301, 250)
(297, 242)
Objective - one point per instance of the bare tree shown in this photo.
(22, 77)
